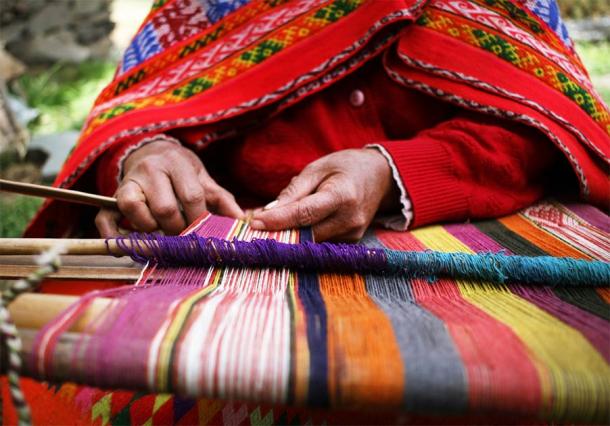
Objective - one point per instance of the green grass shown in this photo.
(63, 93)
(596, 57)
(15, 213)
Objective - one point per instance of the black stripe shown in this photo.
(509, 239)
(317, 335)
(585, 298)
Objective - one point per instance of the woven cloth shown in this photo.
(216, 69)
(418, 346)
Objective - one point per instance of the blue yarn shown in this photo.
(501, 268)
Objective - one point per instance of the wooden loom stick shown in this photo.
(63, 358)
(58, 194)
(14, 246)
(35, 310)
(74, 260)
(73, 267)
(30, 312)
(12, 272)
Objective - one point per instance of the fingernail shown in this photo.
(271, 205)
(257, 224)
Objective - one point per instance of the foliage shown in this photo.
(15, 213)
(63, 93)
(596, 57)
(578, 9)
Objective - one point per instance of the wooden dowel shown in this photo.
(87, 261)
(73, 268)
(63, 360)
(15, 246)
(30, 312)
(35, 310)
(13, 272)
(58, 194)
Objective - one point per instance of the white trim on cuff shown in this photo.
(395, 222)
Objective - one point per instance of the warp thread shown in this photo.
(194, 250)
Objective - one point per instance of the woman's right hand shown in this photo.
(165, 187)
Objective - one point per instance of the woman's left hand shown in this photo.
(338, 195)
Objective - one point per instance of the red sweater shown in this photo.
(451, 164)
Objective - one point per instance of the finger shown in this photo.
(308, 211)
(163, 204)
(300, 186)
(106, 222)
(190, 191)
(132, 203)
(223, 202)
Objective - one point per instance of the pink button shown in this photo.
(357, 98)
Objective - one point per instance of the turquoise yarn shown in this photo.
(501, 268)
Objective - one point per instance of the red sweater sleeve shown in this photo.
(472, 167)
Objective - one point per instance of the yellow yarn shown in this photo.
(551, 342)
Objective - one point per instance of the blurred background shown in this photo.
(57, 55)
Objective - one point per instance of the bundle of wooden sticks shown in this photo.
(84, 259)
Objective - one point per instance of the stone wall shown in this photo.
(37, 31)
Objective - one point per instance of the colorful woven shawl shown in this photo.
(221, 67)
(451, 348)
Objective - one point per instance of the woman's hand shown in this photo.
(165, 186)
(338, 195)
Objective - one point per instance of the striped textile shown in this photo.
(346, 342)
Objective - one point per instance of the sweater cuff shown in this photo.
(110, 168)
(396, 222)
(426, 170)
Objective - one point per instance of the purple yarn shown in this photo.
(192, 250)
